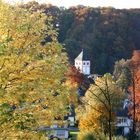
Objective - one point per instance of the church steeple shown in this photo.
(80, 56)
(82, 63)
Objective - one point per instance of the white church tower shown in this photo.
(82, 63)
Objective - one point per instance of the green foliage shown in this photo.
(104, 32)
(105, 137)
(107, 34)
(99, 136)
(106, 92)
(86, 136)
(5, 113)
(122, 73)
(102, 100)
(89, 137)
(30, 74)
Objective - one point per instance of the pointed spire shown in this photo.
(80, 56)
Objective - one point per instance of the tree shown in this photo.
(86, 136)
(104, 99)
(74, 77)
(89, 122)
(122, 73)
(134, 89)
(31, 75)
(108, 34)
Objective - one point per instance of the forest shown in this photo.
(106, 34)
(39, 86)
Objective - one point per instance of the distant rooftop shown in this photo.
(123, 113)
(82, 56)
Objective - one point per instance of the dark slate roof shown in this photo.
(65, 117)
(80, 92)
(82, 56)
(123, 113)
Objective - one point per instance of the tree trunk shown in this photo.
(110, 125)
(134, 107)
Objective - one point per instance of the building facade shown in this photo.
(82, 63)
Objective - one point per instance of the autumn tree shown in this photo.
(135, 90)
(74, 77)
(89, 122)
(122, 73)
(31, 75)
(102, 99)
(104, 32)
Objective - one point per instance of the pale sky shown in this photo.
(94, 3)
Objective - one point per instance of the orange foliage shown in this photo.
(135, 87)
(74, 77)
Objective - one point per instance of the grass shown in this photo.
(74, 135)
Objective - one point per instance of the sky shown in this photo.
(94, 3)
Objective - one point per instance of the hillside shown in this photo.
(105, 34)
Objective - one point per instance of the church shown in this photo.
(82, 63)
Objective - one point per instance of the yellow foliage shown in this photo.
(102, 100)
(90, 122)
(30, 74)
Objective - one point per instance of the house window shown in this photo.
(121, 120)
(124, 120)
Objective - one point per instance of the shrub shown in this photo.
(101, 136)
(86, 136)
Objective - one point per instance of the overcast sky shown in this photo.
(94, 3)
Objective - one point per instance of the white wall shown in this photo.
(72, 121)
(83, 66)
(78, 65)
(124, 122)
